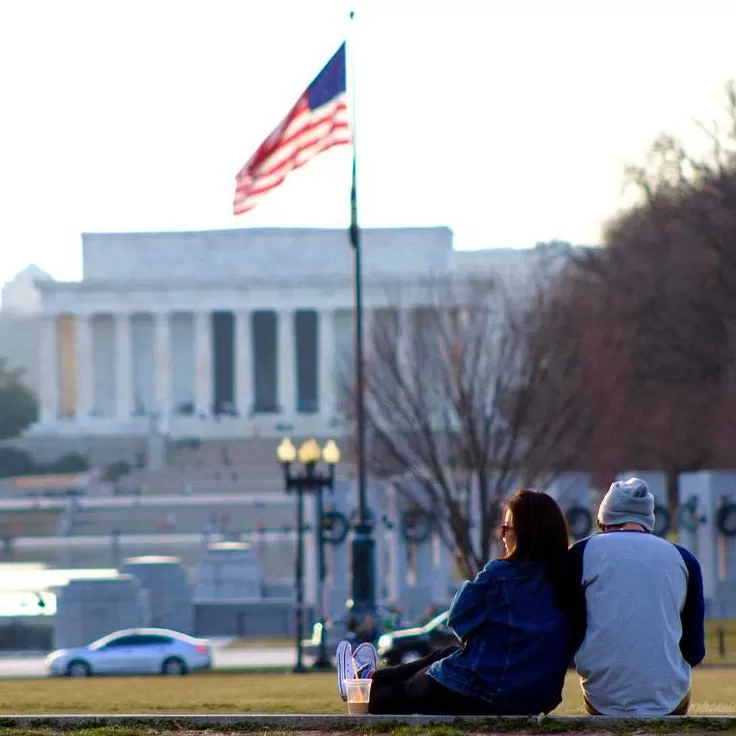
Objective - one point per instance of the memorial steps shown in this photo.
(218, 454)
(250, 477)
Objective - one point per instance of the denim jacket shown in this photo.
(516, 645)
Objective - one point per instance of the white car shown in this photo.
(133, 652)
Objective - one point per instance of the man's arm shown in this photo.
(692, 643)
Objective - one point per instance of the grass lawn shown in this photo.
(714, 692)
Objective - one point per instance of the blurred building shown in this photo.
(20, 323)
(223, 334)
(21, 295)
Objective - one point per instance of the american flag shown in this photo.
(318, 121)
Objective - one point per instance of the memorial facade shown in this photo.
(234, 333)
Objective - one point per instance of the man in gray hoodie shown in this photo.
(640, 611)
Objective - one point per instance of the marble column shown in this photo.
(123, 367)
(244, 393)
(85, 367)
(162, 362)
(49, 367)
(286, 363)
(327, 382)
(203, 393)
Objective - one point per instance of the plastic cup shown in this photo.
(359, 695)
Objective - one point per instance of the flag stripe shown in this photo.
(310, 148)
(311, 127)
(317, 122)
(306, 152)
(307, 118)
(249, 193)
(282, 158)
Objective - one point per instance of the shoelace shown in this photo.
(364, 671)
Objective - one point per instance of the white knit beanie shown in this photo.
(627, 501)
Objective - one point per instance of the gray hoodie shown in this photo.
(640, 620)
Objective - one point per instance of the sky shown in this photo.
(510, 121)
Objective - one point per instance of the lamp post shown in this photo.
(309, 480)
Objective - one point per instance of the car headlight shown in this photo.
(56, 664)
(385, 643)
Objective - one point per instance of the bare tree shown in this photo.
(702, 187)
(479, 388)
(668, 272)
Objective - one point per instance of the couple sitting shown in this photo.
(627, 604)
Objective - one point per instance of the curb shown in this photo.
(256, 722)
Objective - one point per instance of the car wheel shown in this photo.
(173, 666)
(410, 656)
(78, 668)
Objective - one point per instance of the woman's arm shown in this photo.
(469, 608)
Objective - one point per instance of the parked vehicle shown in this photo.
(338, 628)
(133, 652)
(408, 645)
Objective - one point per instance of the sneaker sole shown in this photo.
(343, 655)
(373, 655)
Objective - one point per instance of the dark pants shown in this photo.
(408, 689)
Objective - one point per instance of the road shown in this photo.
(31, 665)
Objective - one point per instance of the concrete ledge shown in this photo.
(472, 724)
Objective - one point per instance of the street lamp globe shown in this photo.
(331, 453)
(309, 453)
(286, 452)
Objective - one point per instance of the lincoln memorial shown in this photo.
(233, 333)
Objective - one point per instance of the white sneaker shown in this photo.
(366, 659)
(345, 666)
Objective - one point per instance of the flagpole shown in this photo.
(362, 544)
